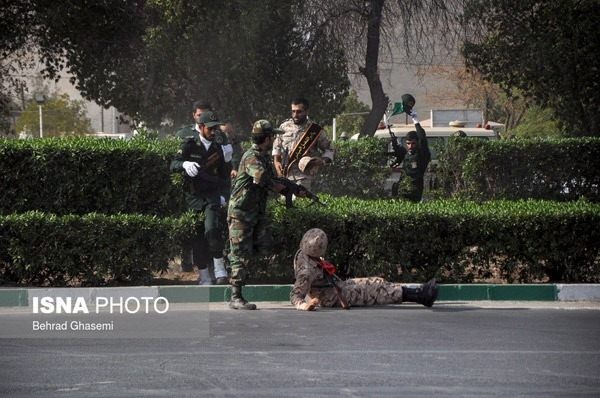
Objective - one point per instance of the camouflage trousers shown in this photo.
(247, 239)
(360, 292)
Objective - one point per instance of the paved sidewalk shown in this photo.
(10, 297)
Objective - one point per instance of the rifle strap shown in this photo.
(303, 145)
(329, 273)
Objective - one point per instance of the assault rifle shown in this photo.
(291, 189)
(399, 151)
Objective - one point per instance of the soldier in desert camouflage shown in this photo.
(317, 285)
(317, 152)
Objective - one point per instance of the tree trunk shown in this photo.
(370, 70)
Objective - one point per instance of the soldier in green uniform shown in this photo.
(203, 163)
(413, 158)
(192, 131)
(249, 232)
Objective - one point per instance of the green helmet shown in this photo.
(264, 127)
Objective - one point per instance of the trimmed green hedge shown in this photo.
(550, 169)
(358, 170)
(85, 175)
(522, 241)
(39, 249)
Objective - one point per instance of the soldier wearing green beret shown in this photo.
(203, 162)
(249, 226)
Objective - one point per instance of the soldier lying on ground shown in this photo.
(316, 283)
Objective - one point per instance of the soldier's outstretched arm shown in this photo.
(301, 288)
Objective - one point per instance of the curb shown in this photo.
(20, 297)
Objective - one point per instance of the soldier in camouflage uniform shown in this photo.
(203, 188)
(192, 131)
(293, 128)
(248, 223)
(316, 283)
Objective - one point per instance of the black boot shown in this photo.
(238, 302)
(425, 294)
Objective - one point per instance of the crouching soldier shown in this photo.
(316, 283)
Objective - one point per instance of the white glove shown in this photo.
(227, 152)
(413, 115)
(223, 201)
(191, 168)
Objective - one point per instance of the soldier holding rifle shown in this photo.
(412, 158)
(249, 226)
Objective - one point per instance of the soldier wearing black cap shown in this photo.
(192, 131)
(202, 161)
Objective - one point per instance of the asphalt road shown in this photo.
(407, 350)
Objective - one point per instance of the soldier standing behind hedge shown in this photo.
(413, 157)
(249, 226)
(193, 131)
(317, 154)
(206, 173)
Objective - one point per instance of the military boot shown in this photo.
(238, 302)
(425, 294)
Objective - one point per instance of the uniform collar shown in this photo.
(205, 142)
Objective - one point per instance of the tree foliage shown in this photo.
(537, 122)
(547, 50)
(60, 117)
(376, 30)
(351, 121)
(152, 59)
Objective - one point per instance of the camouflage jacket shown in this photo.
(309, 277)
(284, 143)
(252, 184)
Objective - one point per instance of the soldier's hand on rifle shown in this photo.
(277, 187)
(191, 168)
(302, 193)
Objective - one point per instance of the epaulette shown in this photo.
(185, 131)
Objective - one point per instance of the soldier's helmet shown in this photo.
(264, 127)
(314, 242)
